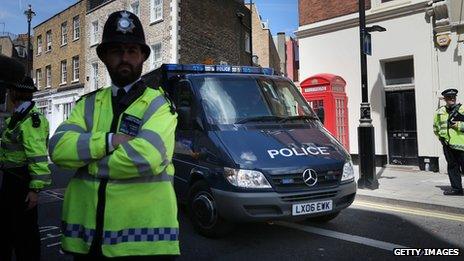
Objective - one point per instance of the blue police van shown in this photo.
(249, 148)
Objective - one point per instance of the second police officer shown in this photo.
(24, 165)
(448, 126)
(121, 202)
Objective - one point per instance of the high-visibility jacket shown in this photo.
(139, 213)
(454, 138)
(24, 148)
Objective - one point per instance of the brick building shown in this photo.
(264, 47)
(178, 31)
(14, 46)
(417, 57)
(7, 47)
(59, 67)
(292, 58)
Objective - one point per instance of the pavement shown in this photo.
(409, 185)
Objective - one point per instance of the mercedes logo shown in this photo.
(310, 177)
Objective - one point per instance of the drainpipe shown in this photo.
(175, 31)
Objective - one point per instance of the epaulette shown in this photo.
(88, 94)
(35, 119)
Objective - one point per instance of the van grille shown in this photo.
(309, 196)
(294, 182)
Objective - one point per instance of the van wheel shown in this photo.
(204, 214)
(324, 218)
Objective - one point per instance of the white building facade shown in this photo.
(407, 71)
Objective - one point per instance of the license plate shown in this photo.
(311, 208)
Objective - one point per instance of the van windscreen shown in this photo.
(232, 99)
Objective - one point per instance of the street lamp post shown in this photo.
(29, 14)
(366, 140)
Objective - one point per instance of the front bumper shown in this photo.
(267, 206)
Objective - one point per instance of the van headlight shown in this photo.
(246, 178)
(348, 172)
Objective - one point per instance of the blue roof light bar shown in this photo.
(200, 68)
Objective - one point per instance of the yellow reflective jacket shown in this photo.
(139, 213)
(25, 144)
(455, 138)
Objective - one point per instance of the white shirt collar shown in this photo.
(23, 106)
(114, 88)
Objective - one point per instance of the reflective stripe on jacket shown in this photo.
(26, 145)
(140, 215)
(455, 138)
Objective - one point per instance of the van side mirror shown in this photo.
(320, 113)
(185, 118)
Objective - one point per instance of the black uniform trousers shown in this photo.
(19, 231)
(455, 159)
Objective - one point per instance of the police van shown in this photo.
(249, 148)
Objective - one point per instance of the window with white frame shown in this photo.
(39, 44)
(399, 72)
(94, 33)
(76, 28)
(383, 3)
(156, 11)
(42, 106)
(64, 72)
(94, 76)
(48, 76)
(49, 40)
(64, 33)
(38, 78)
(67, 108)
(135, 8)
(247, 42)
(75, 64)
(21, 51)
(155, 55)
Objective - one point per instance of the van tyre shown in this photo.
(204, 214)
(324, 218)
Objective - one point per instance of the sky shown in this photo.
(282, 14)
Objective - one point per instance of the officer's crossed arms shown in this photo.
(76, 145)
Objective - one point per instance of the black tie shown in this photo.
(117, 108)
(120, 95)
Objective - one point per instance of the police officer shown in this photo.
(24, 163)
(121, 202)
(448, 126)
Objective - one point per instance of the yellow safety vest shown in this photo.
(24, 145)
(140, 210)
(455, 138)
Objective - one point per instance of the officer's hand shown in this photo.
(32, 199)
(454, 125)
(119, 139)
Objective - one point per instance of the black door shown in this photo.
(402, 129)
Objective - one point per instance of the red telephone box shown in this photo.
(328, 91)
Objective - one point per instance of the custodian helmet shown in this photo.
(123, 27)
(27, 85)
(11, 72)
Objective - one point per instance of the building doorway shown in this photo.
(401, 127)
